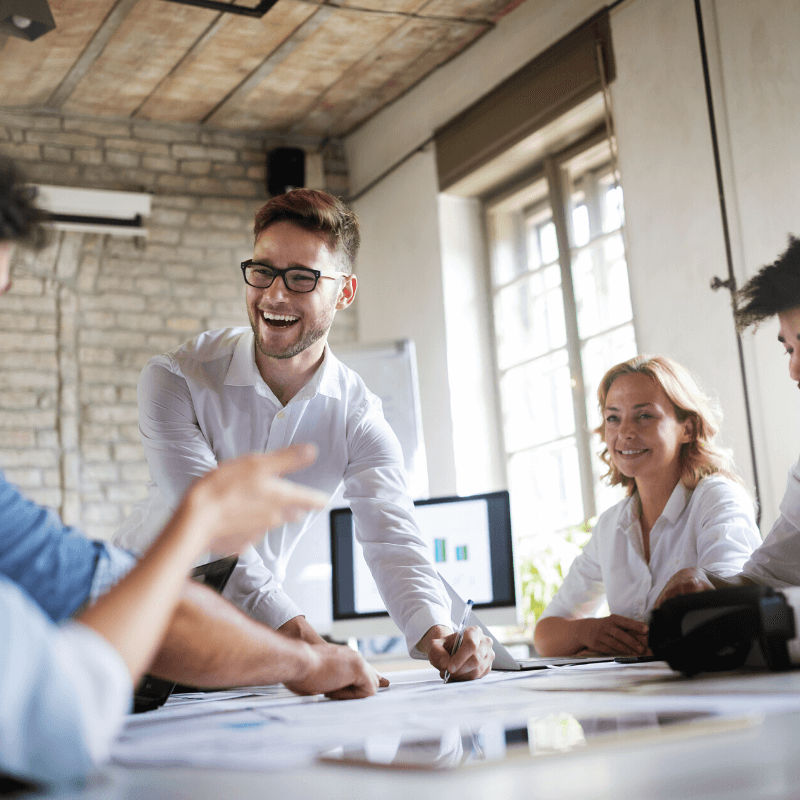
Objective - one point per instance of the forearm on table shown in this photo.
(135, 613)
(211, 643)
(299, 628)
(557, 636)
(731, 581)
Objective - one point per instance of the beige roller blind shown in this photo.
(555, 81)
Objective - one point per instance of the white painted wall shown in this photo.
(759, 64)
(674, 230)
(400, 294)
(478, 450)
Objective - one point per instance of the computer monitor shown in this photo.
(470, 541)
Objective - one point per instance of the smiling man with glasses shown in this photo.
(257, 389)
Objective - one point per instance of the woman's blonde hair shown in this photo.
(699, 457)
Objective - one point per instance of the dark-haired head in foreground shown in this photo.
(20, 220)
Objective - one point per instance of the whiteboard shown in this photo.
(390, 371)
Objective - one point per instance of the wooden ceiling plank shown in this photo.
(212, 30)
(297, 82)
(393, 6)
(88, 57)
(394, 53)
(364, 80)
(30, 71)
(222, 61)
(466, 10)
(271, 63)
(458, 38)
(343, 121)
(321, 70)
(418, 48)
(146, 46)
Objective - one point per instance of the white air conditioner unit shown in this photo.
(94, 210)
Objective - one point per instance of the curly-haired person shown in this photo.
(772, 291)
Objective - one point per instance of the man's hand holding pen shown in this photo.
(471, 661)
(459, 635)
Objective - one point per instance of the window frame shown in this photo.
(553, 169)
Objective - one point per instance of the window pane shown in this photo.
(545, 487)
(605, 496)
(537, 402)
(534, 248)
(599, 354)
(580, 225)
(541, 439)
(548, 243)
(602, 293)
(529, 317)
(506, 260)
(613, 210)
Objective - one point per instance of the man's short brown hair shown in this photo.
(315, 210)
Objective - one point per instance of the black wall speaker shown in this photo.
(286, 169)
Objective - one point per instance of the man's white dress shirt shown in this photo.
(206, 402)
(712, 527)
(777, 562)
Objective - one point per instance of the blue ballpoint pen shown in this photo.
(461, 628)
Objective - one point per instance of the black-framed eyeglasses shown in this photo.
(296, 279)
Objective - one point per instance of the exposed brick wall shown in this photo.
(84, 315)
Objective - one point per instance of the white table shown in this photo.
(756, 756)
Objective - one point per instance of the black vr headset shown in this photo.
(724, 629)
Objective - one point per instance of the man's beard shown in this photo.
(309, 338)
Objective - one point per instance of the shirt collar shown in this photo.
(677, 502)
(244, 372)
(629, 519)
(328, 379)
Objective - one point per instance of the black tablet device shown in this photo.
(153, 692)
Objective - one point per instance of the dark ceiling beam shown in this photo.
(274, 59)
(214, 5)
(90, 54)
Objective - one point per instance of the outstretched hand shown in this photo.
(245, 496)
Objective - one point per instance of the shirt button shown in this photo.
(281, 414)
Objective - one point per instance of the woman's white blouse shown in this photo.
(712, 527)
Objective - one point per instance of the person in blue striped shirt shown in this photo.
(72, 645)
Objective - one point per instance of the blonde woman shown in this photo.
(686, 507)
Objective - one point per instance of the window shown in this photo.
(562, 317)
